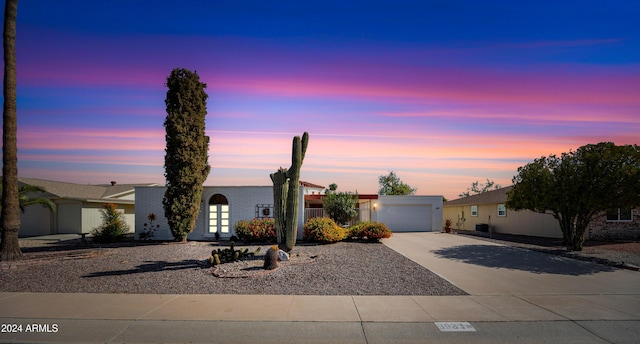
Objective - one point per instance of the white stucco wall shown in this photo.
(242, 206)
(409, 213)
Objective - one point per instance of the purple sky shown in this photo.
(444, 93)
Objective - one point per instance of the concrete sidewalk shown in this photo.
(528, 299)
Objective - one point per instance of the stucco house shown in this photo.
(77, 207)
(487, 211)
(223, 206)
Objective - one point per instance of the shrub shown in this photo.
(113, 227)
(230, 254)
(324, 230)
(256, 230)
(373, 231)
(355, 231)
(340, 206)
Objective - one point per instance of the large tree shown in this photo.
(478, 188)
(186, 155)
(10, 215)
(578, 186)
(392, 185)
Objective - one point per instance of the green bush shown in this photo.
(340, 206)
(256, 230)
(373, 231)
(355, 231)
(113, 227)
(324, 230)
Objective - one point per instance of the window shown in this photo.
(474, 210)
(620, 215)
(502, 210)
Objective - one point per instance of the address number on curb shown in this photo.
(459, 326)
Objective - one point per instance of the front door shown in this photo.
(218, 217)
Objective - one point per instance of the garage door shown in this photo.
(406, 217)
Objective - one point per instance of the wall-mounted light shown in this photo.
(375, 205)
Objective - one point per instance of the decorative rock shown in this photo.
(283, 256)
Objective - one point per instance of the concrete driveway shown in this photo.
(486, 268)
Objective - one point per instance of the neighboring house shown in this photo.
(617, 224)
(487, 211)
(223, 206)
(77, 207)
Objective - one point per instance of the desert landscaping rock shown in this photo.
(345, 268)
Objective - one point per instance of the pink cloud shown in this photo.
(90, 139)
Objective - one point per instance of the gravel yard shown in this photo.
(345, 268)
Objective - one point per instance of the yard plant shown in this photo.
(286, 190)
(113, 228)
(340, 206)
(256, 230)
(186, 160)
(324, 230)
(372, 231)
(577, 186)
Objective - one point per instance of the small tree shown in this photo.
(578, 186)
(477, 188)
(113, 227)
(340, 206)
(392, 185)
(186, 159)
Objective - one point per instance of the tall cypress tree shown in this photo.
(186, 155)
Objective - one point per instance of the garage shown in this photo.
(410, 213)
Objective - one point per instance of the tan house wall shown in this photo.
(36, 220)
(69, 215)
(515, 222)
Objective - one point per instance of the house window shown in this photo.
(474, 210)
(218, 215)
(502, 210)
(620, 215)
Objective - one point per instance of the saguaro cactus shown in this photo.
(286, 191)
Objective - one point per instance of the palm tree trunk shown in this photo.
(10, 215)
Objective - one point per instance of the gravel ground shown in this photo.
(345, 268)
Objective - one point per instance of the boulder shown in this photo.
(283, 256)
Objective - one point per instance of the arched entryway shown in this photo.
(218, 217)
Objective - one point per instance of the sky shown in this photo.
(443, 93)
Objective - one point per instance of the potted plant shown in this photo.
(447, 225)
